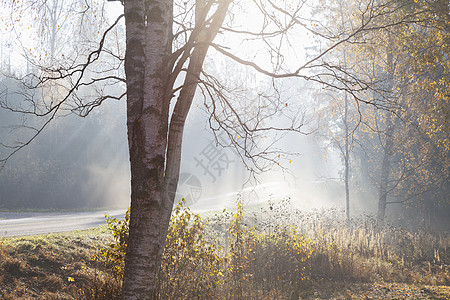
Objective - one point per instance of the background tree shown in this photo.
(388, 53)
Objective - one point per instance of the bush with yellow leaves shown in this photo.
(190, 267)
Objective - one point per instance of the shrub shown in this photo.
(190, 266)
(283, 254)
(115, 254)
(276, 259)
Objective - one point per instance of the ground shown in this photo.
(71, 266)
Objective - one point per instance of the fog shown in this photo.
(79, 163)
(82, 163)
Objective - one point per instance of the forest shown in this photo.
(309, 139)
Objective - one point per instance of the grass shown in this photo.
(54, 266)
(274, 252)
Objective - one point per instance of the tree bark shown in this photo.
(154, 145)
(388, 145)
(385, 170)
(346, 141)
(148, 41)
(184, 101)
(346, 161)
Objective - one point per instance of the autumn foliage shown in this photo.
(200, 263)
(282, 252)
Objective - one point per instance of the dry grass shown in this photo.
(55, 266)
(265, 253)
(347, 261)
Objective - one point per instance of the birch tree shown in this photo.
(166, 43)
(414, 84)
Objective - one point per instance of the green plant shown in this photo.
(239, 247)
(271, 259)
(190, 266)
(116, 251)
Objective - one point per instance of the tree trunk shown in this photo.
(347, 187)
(184, 101)
(346, 141)
(148, 41)
(388, 145)
(155, 147)
(385, 170)
(346, 161)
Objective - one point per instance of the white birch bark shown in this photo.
(155, 147)
(148, 39)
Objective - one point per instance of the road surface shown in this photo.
(22, 224)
